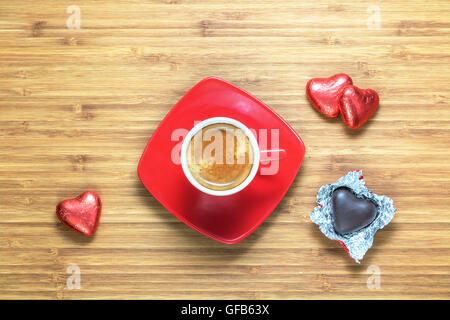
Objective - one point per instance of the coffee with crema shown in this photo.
(220, 156)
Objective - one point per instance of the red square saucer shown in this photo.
(232, 218)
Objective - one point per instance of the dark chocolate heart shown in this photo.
(351, 213)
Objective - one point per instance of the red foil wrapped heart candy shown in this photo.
(81, 214)
(323, 93)
(357, 105)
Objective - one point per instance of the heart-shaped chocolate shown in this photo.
(351, 213)
(81, 214)
(357, 105)
(323, 93)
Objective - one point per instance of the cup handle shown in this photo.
(267, 156)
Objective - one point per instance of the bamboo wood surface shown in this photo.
(77, 107)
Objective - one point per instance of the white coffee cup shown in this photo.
(253, 143)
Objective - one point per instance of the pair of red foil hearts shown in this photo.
(81, 214)
(337, 94)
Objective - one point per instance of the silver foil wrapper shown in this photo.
(360, 241)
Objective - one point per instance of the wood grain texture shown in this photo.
(77, 108)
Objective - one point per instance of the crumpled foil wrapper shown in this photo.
(357, 243)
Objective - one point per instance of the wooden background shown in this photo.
(77, 108)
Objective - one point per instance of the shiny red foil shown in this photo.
(357, 105)
(81, 214)
(323, 93)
